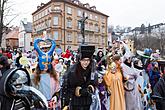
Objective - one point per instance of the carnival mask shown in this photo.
(45, 58)
(18, 85)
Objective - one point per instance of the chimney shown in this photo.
(25, 20)
(42, 4)
(38, 7)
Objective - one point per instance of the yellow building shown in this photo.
(60, 20)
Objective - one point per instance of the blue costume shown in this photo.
(43, 57)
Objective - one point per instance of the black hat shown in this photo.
(86, 51)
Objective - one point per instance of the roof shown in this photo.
(13, 34)
(28, 27)
(69, 2)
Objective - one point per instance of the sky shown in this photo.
(127, 13)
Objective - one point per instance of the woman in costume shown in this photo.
(114, 82)
(45, 78)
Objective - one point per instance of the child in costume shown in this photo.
(102, 92)
(45, 78)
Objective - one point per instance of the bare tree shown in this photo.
(161, 40)
(5, 12)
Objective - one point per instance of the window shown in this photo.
(57, 8)
(102, 29)
(96, 18)
(91, 27)
(86, 26)
(39, 15)
(42, 14)
(91, 38)
(55, 35)
(86, 38)
(90, 16)
(69, 10)
(49, 9)
(46, 12)
(103, 40)
(79, 38)
(96, 28)
(86, 15)
(102, 19)
(78, 24)
(69, 36)
(48, 22)
(96, 39)
(55, 20)
(69, 23)
(34, 18)
(79, 13)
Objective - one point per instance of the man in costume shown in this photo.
(80, 81)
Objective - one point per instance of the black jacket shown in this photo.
(72, 80)
(159, 90)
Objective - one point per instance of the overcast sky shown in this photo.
(121, 12)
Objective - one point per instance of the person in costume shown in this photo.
(130, 85)
(4, 65)
(16, 92)
(80, 81)
(45, 79)
(139, 70)
(103, 95)
(154, 74)
(114, 82)
(159, 91)
(17, 59)
(100, 60)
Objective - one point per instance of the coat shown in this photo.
(131, 96)
(159, 90)
(115, 86)
(73, 80)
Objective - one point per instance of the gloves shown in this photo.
(84, 91)
(90, 89)
(77, 91)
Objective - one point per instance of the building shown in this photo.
(25, 34)
(60, 20)
(12, 38)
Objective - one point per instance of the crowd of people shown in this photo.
(85, 79)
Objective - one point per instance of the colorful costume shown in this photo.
(114, 83)
(42, 56)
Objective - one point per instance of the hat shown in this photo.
(86, 51)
